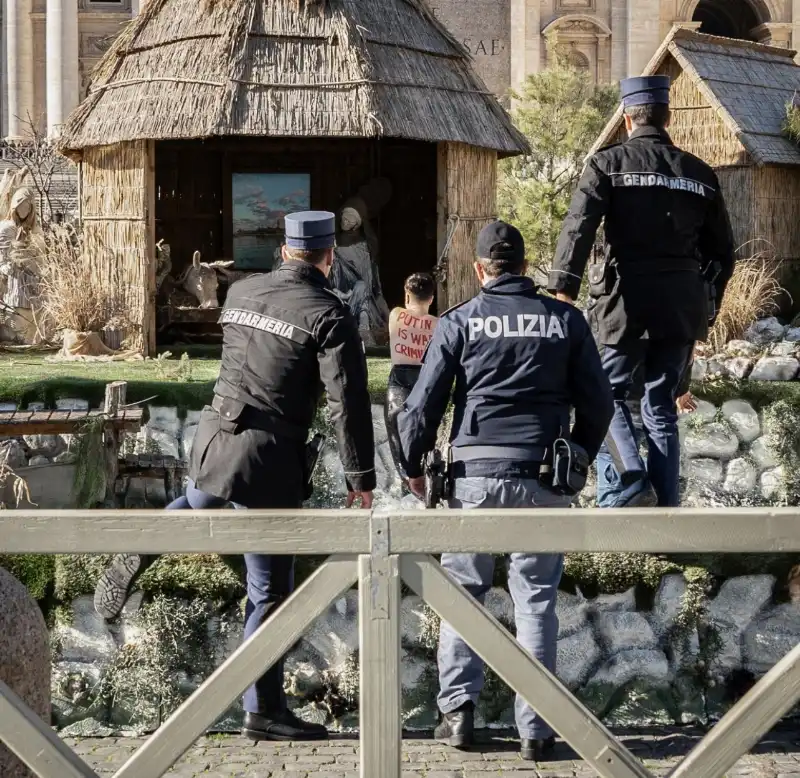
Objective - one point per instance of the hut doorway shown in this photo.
(225, 198)
(729, 18)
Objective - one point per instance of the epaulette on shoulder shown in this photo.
(453, 308)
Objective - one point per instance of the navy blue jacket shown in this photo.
(520, 362)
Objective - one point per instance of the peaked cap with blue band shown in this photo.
(309, 230)
(645, 90)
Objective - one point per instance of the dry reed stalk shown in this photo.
(69, 296)
(752, 293)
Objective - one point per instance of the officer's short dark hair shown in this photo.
(651, 115)
(312, 256)
(496, 267)
(421, 286)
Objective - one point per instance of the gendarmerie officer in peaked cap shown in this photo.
(520, 361)
(285, 335)
(668, 248)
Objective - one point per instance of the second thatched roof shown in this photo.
(747, 84)
(303, 68)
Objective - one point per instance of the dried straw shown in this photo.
(188, 69)
(752, 293)
(70, 297)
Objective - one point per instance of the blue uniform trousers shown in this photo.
(663, 363)
(533, 582)
(270, 580)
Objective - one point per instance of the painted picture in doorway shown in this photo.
(260, 203)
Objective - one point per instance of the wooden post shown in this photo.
(379, 627)
(115, 398)
(442, 217)
(149, 335)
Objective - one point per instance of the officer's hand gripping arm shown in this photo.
(424, 409)
(590, 390)
(589, 206)
(343, 369)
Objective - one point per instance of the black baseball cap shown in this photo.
(501, 242)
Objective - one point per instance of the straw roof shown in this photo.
(304, 68)
(748, 84)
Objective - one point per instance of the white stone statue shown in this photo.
(21, 243)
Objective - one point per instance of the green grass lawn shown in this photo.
(186, 383)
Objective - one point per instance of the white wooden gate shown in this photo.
(378, 550)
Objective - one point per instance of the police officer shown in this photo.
(519, 361)
(666, 226)
(285, 334)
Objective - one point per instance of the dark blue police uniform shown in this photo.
(520, 361)
(665, 224)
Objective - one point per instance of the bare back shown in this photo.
(409, 334)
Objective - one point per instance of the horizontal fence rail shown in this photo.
(379, 550)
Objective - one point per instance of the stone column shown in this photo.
(63, 76)
(775, 34)
(643, 34)
(619, 33)
(19, 66)
(526, 40)
(796, 27)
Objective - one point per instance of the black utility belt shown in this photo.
(495, 468)
(563, 469)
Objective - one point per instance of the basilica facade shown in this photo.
(51, 46)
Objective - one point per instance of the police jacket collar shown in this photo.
(651, 133)
(305, 270)
(509, 284)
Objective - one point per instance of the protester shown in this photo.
(410, 331)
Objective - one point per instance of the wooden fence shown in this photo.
(378, 550)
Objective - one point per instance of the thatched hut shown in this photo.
(729, 102)
(337, 97)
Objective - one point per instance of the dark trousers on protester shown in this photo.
(662, 364)
(402, 380)
(270, 580)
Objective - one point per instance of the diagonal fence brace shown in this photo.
(35, 743)
(740, 729)
(522, 672)
(266, 646)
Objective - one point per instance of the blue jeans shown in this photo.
(533, 582)
(662, 363)
(270, 580)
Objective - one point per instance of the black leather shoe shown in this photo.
(116, 583)
(537, 750)
(457, 729)
(281, 726)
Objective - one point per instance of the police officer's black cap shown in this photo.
(501, 242)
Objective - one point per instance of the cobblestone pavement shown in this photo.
(778, 756)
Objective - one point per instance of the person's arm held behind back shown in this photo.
(343, 369)
(418, 423)
(586, 211)
(716, 242)
(590, 389)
